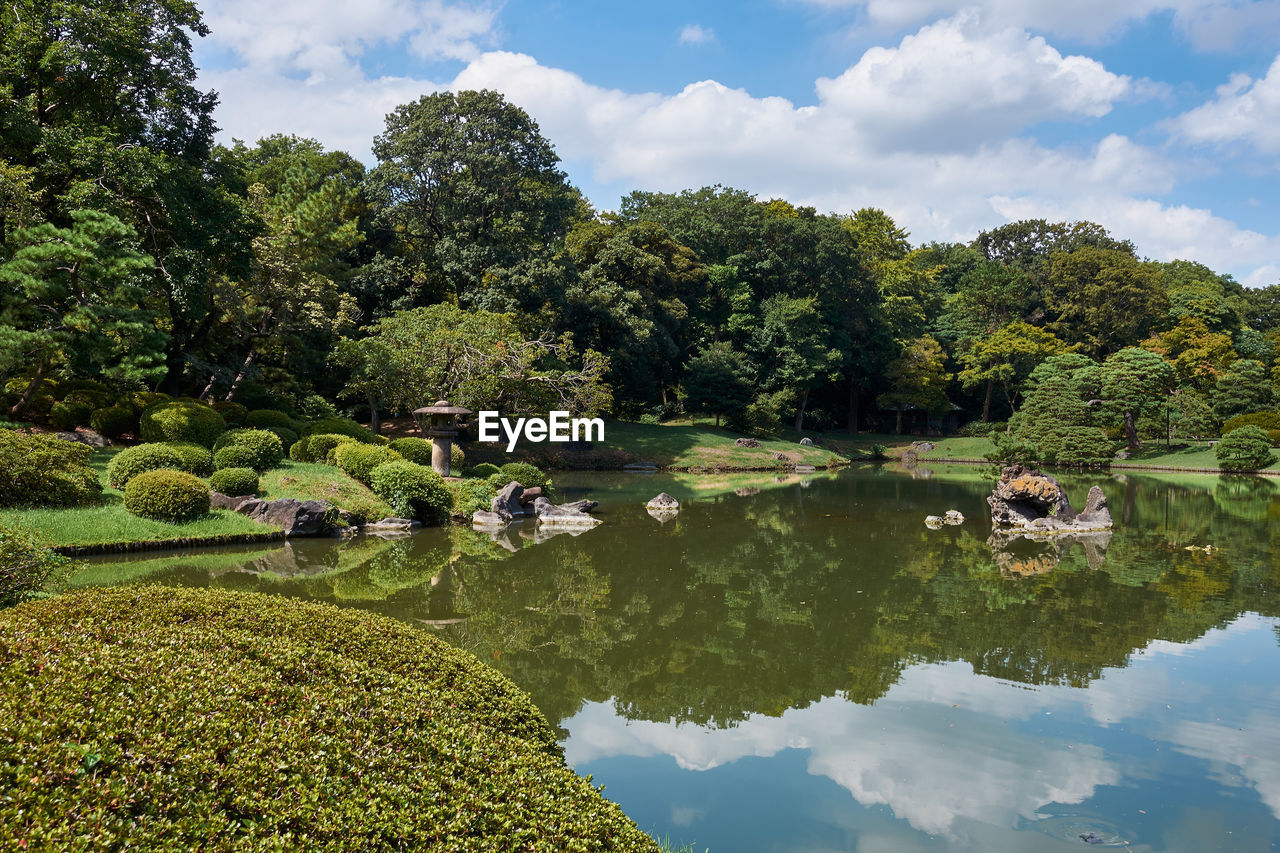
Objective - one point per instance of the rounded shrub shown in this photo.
(287, 436)
(178, 421)
(1246, 448)
(68, 416)
(529, 476)
(266, 418)
(235, 481)
(132, 461)
(142, 400)
(86, 387)
(26, 566)
(483, 471)
(195, 459)
(93, 398)
(358, 460)
(265, 450)
(316, 448)
(167, 495)
(414, 449)
(412, 490)
(323, 746)
(338, 426)
(232, 413)
(234, 456)
(113, 421)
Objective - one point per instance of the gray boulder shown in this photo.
(663, 501)
(88, 437)
(953, 516)
(583, 505)
(549, 513)
(530, 495)
(392, 523)
(806, 442)
(217, 500)
(747, 442)
(1027, 499)
(922, 446)
(480, 518)
(506, 503)
(294, 517)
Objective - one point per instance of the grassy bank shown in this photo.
(110, 522)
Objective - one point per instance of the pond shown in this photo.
(799, 664)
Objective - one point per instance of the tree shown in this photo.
(1198, 356)
(1134, 380)
(917, 378)
(471, 191)
(1103, 300)
(71, 298)
(1244, 449)
(717, 381)
(476, 359)
(1006, 357)
(1057, 423)
(791, 350)
(1242, 389)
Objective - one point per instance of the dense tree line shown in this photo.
(135, 250)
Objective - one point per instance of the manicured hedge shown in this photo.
(132, 461)
(195, 459)
(357, 461)
(232, 413)
(167, 495)
(40, 470)
(529, 476)
(69, 415)
(481, 472)
(181, 719)
(315, 448)
(1246, 448)
(261, 449)
(266, 418)
(234, 481)
(414, 491)
(338, 426)
(414, 449)
(113, 421)
(182, 421)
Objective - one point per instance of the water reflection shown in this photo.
(960, 680)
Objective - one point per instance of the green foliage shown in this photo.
(113, 421)
(234, 481)
(358, 460)
(140, 401)
(414, 491)
(413, 449)
(288, 438)
(481, 472)
(132, 461)
(1243, 388)
(529, 476)
(167, 495)
(1056, 424)
(1246, 448)
(980, 429)
(717, 381)
(1266, 420)
(316, 448)
(472, 495)
(68, 416)
(1133, 381)
(266, 418)
(338, 426)
(258, 449)
(195, 459)
(39, 470)
(176, 421)
(918, 378)
(484, 770)
(232, 413)
(26, 566)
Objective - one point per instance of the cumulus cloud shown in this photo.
(696, 34)
(1207, 24)
(1244, 111)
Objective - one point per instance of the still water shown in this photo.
(801, 665)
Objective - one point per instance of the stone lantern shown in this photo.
(442, 429)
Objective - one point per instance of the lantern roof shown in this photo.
(442, 407)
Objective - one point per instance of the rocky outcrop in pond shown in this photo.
(1026, 499)
(293, 517)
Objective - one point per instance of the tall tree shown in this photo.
(717, 381)
(1133, 381)
(917, 378)
(1006, 358)
(792, 350)
(1103, 300)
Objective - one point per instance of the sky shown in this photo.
(1159, 119)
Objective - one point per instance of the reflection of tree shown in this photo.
(796, 594)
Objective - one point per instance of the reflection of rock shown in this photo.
(663, 501)
(805, 469)
(549, 513)
(640, 467)
(506, 537)
(1026, 499)
(746, 491)
(543, 532)
(1021, 553)
(933, 522)
(662, 515)
(392, 523)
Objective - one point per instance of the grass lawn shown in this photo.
(683, 446)
(313, 481)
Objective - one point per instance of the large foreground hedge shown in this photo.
(168, 719)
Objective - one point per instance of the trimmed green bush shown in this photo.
(235, 481)
(265, 450)
(483, 471)
(414, 491)
(338, 426)
(232, 413)
(132, 461)
(40, 470)
(1246, 448)
(26, 566)
(143, 400)
(113, 421)
(68, 416)
(316, 448)
(195, 459)
(239, 721)
(167, 495)
(358, 460)
(287, 436)
(471, 495)
(177, 421)
(529, 476)
(234, 456)
(414, 449)
(265, 418)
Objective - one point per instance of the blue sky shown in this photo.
(1158, 118)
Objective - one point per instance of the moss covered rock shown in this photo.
(235, 721)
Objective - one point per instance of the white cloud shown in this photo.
(697, 34)
(1245, 110)
(1207, 24)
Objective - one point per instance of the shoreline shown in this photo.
(1121, 466)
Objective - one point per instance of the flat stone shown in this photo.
(663, 501)
(805, 469)
(953, 516)
(481, 518)
(549, 513)
(391, 523)
(217, 500)
(89, 437)
(581, 506)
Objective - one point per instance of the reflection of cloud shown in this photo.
(1252, 750)
(931, 764)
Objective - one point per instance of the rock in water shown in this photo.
(480, 518)
(953, 516)
(583, 505)
(933, 522)
(295, 518)
(549, 513)
(663, 501)
(1027, 499)
(506, 503)
(747, 442)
